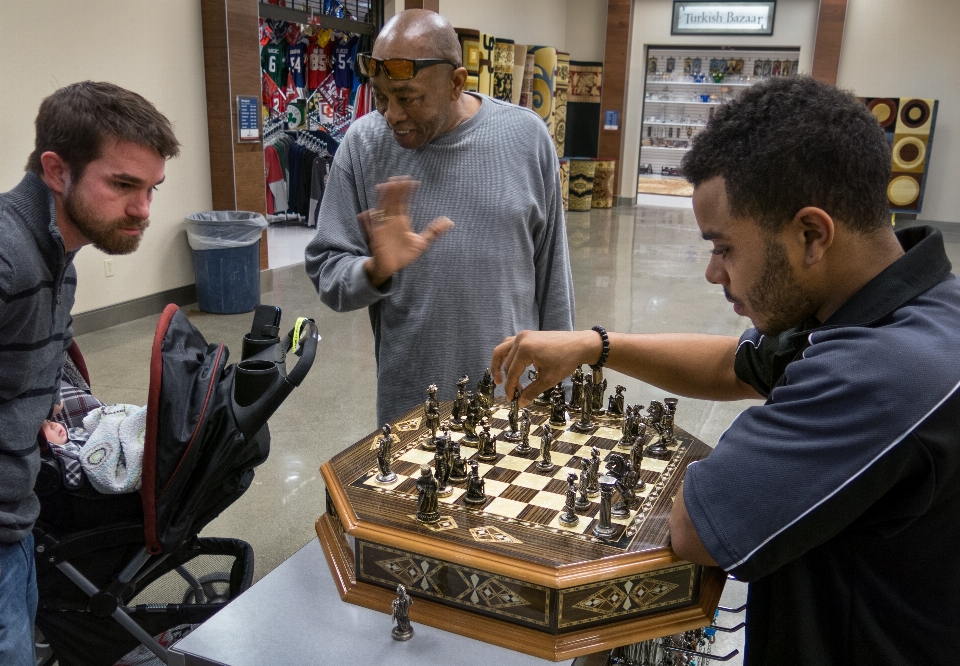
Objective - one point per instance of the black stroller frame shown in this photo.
(206, 432)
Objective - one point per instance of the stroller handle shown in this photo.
(307, 351)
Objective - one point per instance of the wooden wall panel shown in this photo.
(432, 5)
(616, 65)
(826, 49)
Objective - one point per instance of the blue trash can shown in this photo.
(226, 259)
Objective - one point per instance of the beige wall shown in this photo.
(893, 48)
(794, 25)
(154, 48)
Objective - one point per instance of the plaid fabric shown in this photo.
(77, 403)
(69, 456)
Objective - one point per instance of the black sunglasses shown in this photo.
(395, 69)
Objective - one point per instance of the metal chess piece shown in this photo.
(638, 429)
(615, 403)
(488, 446)
(513, 433)
(400, 614)
(669, 413)
(605, 529)
(586, 424)
(627, 486)
(524, 448)
(473, 418)
(593, 481)
(583, 502)
(658, 449)
(626, 426)
(569, 517)
(636, 460)
(545, 464)
(576, 394)
(441, 462)
(558, 408)
(428, 511)
(599, 387)
(485, 389)
(458, 466)
(384, 456)
(431, 417)
(460, 404)
(475, 486)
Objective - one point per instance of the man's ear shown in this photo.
(816, 231)
(56, 173)
(458, 79)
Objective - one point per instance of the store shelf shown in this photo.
(671, 101)
(691, 83)
(663, 122)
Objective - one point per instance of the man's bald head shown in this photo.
(418, 34)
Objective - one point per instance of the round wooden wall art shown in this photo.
(884, 110)
(909, 153)
(915, 113)
(903, 190)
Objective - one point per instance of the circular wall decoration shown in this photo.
(909, 153)
(903, 190)
(915, 113)
(885, 111)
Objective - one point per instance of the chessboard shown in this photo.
(507, 571)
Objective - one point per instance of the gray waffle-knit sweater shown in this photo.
(503, 268)
(37, 284)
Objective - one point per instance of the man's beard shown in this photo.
(777, 300)
(104, 234)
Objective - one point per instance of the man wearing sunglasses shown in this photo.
(442, 215)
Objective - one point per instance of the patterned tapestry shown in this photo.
(583, 109)
(544, 83)
(560, 102)
(503, 55)
(581, 183)
(519, 65)
(603, 178)
(526, 92)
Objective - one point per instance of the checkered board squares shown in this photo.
(518, 492)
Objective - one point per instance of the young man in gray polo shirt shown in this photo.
(100, 153)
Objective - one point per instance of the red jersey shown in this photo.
(318, 63)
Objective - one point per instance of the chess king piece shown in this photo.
(593, 481)
(487, 445)
(428, 511)
(599, 387)
(615, 404)
(431, 417)
(475, 486)
(605, 528)
(441, 463)
(460, 404)
(585, 424)
(558, 408)
(583, 502)
(458, 466)
(626, 428)
(569, 517)
(473, 418)
(384, 456)
(400, 613)
(513, 433)
(576, 395)
(524, 448)
(545, 464)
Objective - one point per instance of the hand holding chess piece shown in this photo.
(403, 631)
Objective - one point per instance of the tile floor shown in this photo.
(635, 269)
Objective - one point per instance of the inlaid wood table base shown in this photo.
(505, 573)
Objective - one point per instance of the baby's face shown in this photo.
(54, 432)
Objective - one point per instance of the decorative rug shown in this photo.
(560, 102)
(583, 109)
(676, 188)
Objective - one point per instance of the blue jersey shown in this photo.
(343, 53)
(296, 64)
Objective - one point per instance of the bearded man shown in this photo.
(837, 500)
(461, 239)
(100, 152)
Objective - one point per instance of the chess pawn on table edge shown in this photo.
(569, 517)
(458, 466)
(513, 434)
(487, 450)
(545, 464)
(475, 486)
(460, 404)
(431, 418)
(428, 511)
(524, 448)
(583, 501)
(400, 613)
(384, 456)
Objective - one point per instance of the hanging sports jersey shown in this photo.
(318, 58)
(296, 63)
(342, 63)
(273, 63)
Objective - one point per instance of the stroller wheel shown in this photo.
(215, 589)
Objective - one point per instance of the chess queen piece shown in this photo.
(558, 408)
(615, 403)
(513, 433)
(458, 466)
(460, 404)
(576, 394)
(569, 517)
(431, 418)
(441, 463)
(475, 486)
(583, 502)
(545, 464)
(626, 427)
(384, 456)
(599, 387)
(524, 448)
(605, 528)
(428, 511)
(593, 481)
(586, 424)
(487, 445)
(473, 418)
(400, 613)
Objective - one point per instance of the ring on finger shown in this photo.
(533, 374)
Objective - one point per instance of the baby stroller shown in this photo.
(100, 556)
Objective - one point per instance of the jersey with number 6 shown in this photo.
(273, 63)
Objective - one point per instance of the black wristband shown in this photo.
(606, 348)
